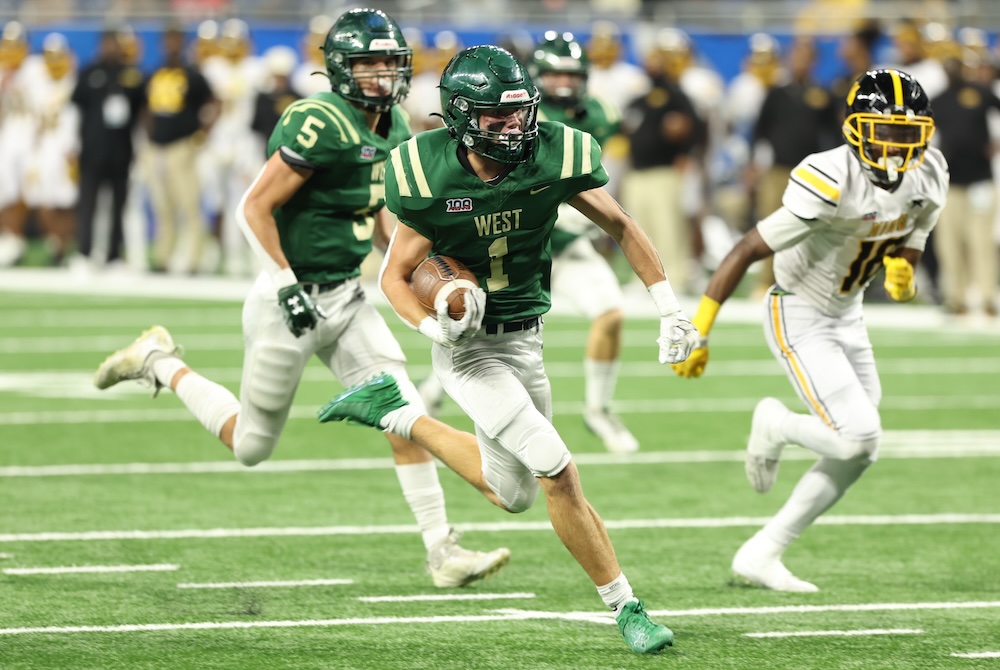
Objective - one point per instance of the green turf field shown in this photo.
(907, 563)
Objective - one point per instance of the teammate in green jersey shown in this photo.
(310, 217)
(486, 190)
(580, 275)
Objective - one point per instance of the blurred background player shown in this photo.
(423, 104)
(232, 154)
(276, 93)
(51, 171)
(16, 135)
(846, 213)
(310, 75)
(109, 97)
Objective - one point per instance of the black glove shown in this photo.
(299, 309)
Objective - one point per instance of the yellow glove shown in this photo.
(899, 279)
(695, 364)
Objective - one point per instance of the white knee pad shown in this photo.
(273, 376)
(252, 446)
(535, 442)
(516, 494)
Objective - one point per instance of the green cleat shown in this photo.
(640, 633)
(365, 403)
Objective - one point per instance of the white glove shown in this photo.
(678, 338)
(448, 332)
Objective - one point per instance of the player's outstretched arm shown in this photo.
(748, 250)
(678, 336)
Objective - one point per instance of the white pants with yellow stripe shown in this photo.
(829, 361)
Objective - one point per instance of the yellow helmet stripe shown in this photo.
(897, 87)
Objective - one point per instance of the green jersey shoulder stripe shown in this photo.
(409, 170)
(577, 148)
(611, 112)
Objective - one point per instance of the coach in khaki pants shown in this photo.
(963, 240)
(181, 107)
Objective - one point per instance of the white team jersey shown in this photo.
(844, 225)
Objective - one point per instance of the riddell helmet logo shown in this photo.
(378, 45)
(514, 96)
(459, 205)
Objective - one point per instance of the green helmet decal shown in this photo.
(561, 54)
(490, 80)
(368, 33)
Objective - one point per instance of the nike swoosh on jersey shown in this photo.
(538, 189)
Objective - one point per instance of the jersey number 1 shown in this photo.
(497, 279)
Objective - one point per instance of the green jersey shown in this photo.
(595, 116)
(501, 232)
(326, 228)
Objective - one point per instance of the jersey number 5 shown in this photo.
(308, 137)
(867, 264)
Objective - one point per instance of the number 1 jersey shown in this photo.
(501, 232)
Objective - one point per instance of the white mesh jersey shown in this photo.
(843, 225)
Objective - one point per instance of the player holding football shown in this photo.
(846, 213)
(579, 274)
(310, 216)
(486, 190)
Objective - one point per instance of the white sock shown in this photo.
(617, 593)
(424, 495)
(810, 432)
(818, 490)
(165, 367)
(212, 404)
(601, 378)
(400, 421)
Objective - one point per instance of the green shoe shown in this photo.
(365, 403)
(641, 634)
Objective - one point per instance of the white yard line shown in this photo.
(897, 445)
(269, 584)
(444, 597)
(500, 615)
(837, 633)
(490, 527)
(5, 555)
(978, 654)
(71, 569)
(929, 403)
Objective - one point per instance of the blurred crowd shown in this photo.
(114, 167)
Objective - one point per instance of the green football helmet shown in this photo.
(490, 79)
(561, 54)
(363, 33)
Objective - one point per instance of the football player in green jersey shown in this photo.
(310, 217)
(486, 190)
(580, 275)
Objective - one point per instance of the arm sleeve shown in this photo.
(782, 229)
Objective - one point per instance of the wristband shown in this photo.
(705, 316)
(664, 298)
(429, 327)
(284, 277)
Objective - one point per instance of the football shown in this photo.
(442, 278)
